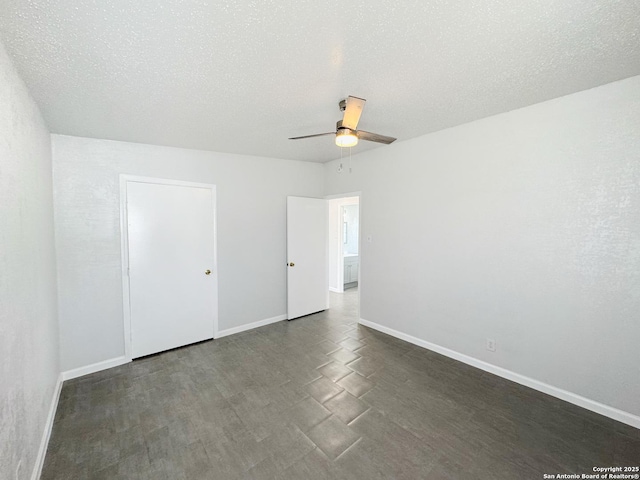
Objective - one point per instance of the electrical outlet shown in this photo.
(491, 345)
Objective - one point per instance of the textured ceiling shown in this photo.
(243, 76)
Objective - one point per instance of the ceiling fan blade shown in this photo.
(311, 136)
(374, 137)
(352, 112)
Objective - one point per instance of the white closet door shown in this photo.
(171, 237)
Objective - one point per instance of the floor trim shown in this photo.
(602, 409)
(250, 326)
(95, 367)
(48, 426)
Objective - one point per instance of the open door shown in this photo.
(307, 282)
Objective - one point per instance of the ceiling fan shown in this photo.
(346, 133)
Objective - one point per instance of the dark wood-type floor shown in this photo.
(320, 398)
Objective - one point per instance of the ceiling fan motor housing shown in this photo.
(340, 127)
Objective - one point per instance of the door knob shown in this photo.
(207, 272)
(292, 264)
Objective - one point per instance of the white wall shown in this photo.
(251, 200)
(524, 228)
(28, 313)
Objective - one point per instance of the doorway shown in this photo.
(169, 264)
(344, 247)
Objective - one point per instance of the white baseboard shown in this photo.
(95, 367)
(250, 326)
(602, 409)
(336, 290)
(48, 426)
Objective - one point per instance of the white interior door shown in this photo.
(171, 247)
(307, 282)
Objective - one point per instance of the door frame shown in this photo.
(124, 249)
(360, 252)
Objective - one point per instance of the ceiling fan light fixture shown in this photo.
(346, 137)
